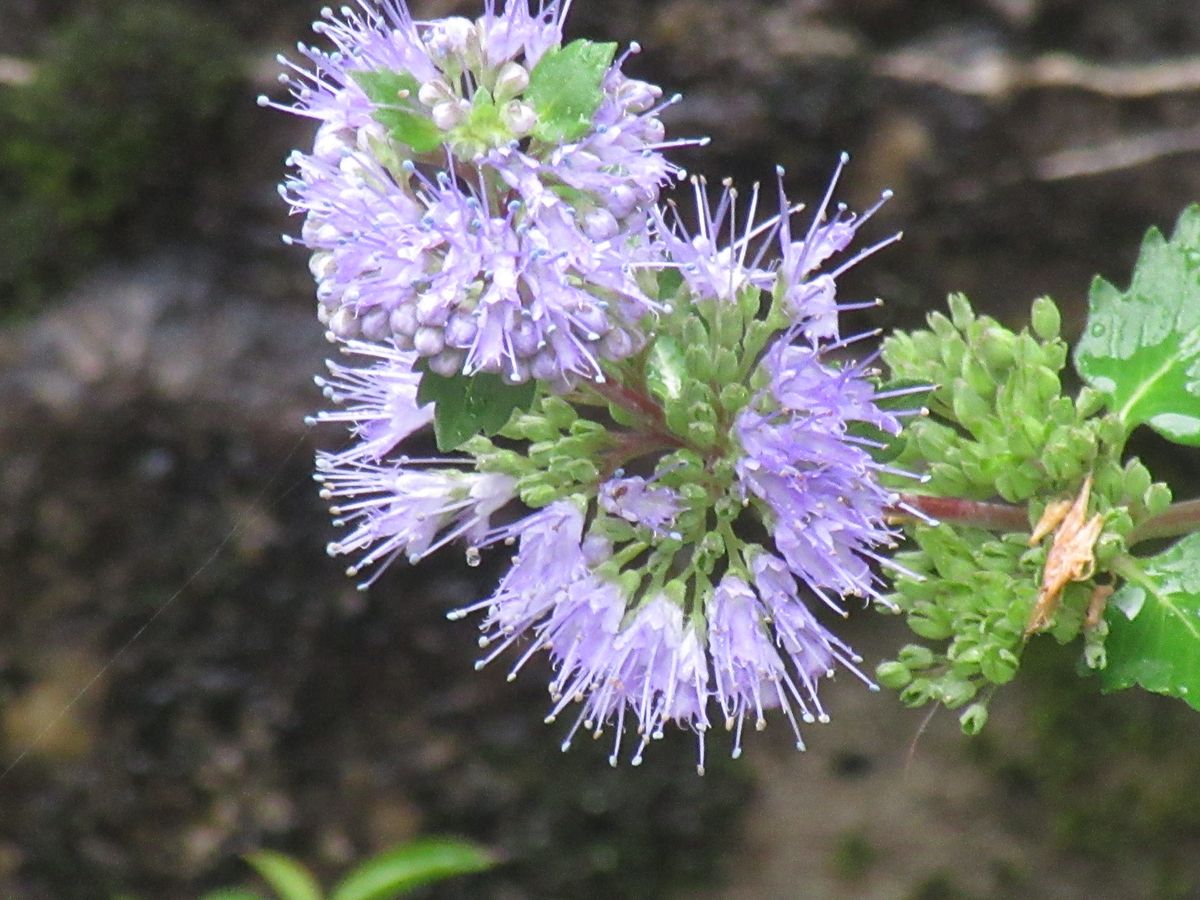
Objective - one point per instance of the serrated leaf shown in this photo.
(666, 368)
(1141, 348)
(397, 109)
(467, 405)
(565, 88)
(1154, 626)
(288, 878)
(410, 866)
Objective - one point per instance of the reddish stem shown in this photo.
(1178, 518)
(626, 397)
(991, 516)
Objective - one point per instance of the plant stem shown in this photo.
(1178, 518)
(625, 396)
(990, 516)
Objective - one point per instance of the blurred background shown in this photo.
(162, 544)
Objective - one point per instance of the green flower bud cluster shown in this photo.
(999, 429)
(999, 423)
(974, 591)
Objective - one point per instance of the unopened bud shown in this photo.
(600, 225)
(434, 92)
(511, 81)
(451, 37)
(449, 114)
(518, 117)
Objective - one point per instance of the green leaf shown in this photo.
(666, 369)
(1141, 348)
(410, 866)
(669, 283)
(467, 405)
(232, 894)
(1154, 626)
(565, 89)
(901, 401)
(289, 879)
(397, 109)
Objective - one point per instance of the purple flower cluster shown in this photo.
(815, 479)
(640, 669)
(437, 222)
(451, 234)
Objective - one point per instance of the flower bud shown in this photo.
(638, 96)
(518, 117)
(893, 675)
(448, 363)
(653, 131)
(429, 341)
(404, 320)
(973, 718)
(449, 114)
(434, 92)
(511, 81)
(330, 142)
(344, 324)
(914, 656)
(451, 37)
(999, 665)
(375, 326)
(600, 225)
(1045, 319)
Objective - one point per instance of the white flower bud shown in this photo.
(511, 81)
(638, 96)
(450, 114)
(322, 265)
(431, 93)
(451, 37)
(344, 324)
(518, 117)
(330, 143)
(370, 136)
(622, 200)
(404, 320)
(316, 232)
(432, 309)
(429, 341)
(352, 168)
(448, 363)
(600, 225)
(375, 326)
(653, 131)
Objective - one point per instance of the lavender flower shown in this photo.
(507, 261)
(815, 480)
(719, 261)
(652, 671)
(380, 402)
(461, 223)
(636, 501)
(396, 511)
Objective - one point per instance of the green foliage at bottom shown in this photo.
(390, 874)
